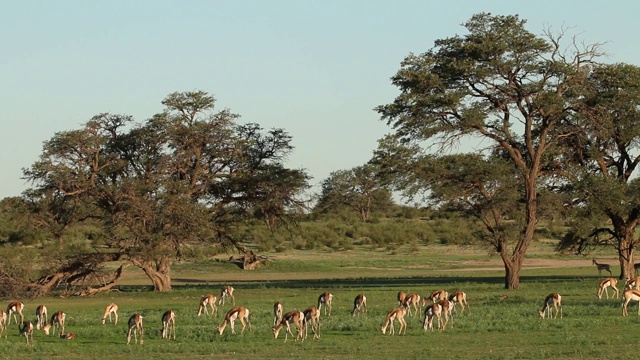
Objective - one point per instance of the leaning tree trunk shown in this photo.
(77, 268)
(47, 283)
(158, 271)
(89, 290)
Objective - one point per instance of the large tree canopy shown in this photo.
(184, 177)
(504, 85)
(605, 185)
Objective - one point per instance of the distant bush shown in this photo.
(382, 233)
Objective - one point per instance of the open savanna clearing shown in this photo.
(490, 329)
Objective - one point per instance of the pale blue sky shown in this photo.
(314, 68)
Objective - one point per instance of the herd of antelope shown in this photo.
(442, 305)
(631, 292)
(135, 326)
(439, 305)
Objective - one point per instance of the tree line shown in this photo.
(556, 132)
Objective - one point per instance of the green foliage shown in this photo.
(503, 85)
(359, 189)
(184, 178)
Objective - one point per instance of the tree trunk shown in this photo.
(625, 257)
(158, 271)
(513, 263)
(512, 268)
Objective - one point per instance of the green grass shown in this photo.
(492, 329)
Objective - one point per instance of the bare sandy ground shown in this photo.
(134, 276)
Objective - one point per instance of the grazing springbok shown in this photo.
(13, 308)
(633, 283)
(555, 300)
(434, 297)
(459, 297)
(297, 318)
(210, 300)
(3, 321)
(57, 322)
(359, 305)
(312, 317)
(602, 266)
(395, 314)
(110, 309)
(41, 317)
(411, 300)
(401, 296)
(135, 326)
(447, 312)
(630, 295)
(325, 299)
(431, 311)
(438, 295)
(27, 331)
(605, 285)
(237, 313)
(168, 324)
(226, 293)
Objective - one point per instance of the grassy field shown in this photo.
(492, 329)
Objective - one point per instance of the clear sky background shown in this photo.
(315, 68)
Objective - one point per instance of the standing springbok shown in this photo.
(277, 313)
(168, 324)
(325, 299)
(602, 266)
(27, 331)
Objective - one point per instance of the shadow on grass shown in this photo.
(366, 282)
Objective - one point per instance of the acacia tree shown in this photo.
(606, 191)
(182, 178)
(504, 85)
(358, 188)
